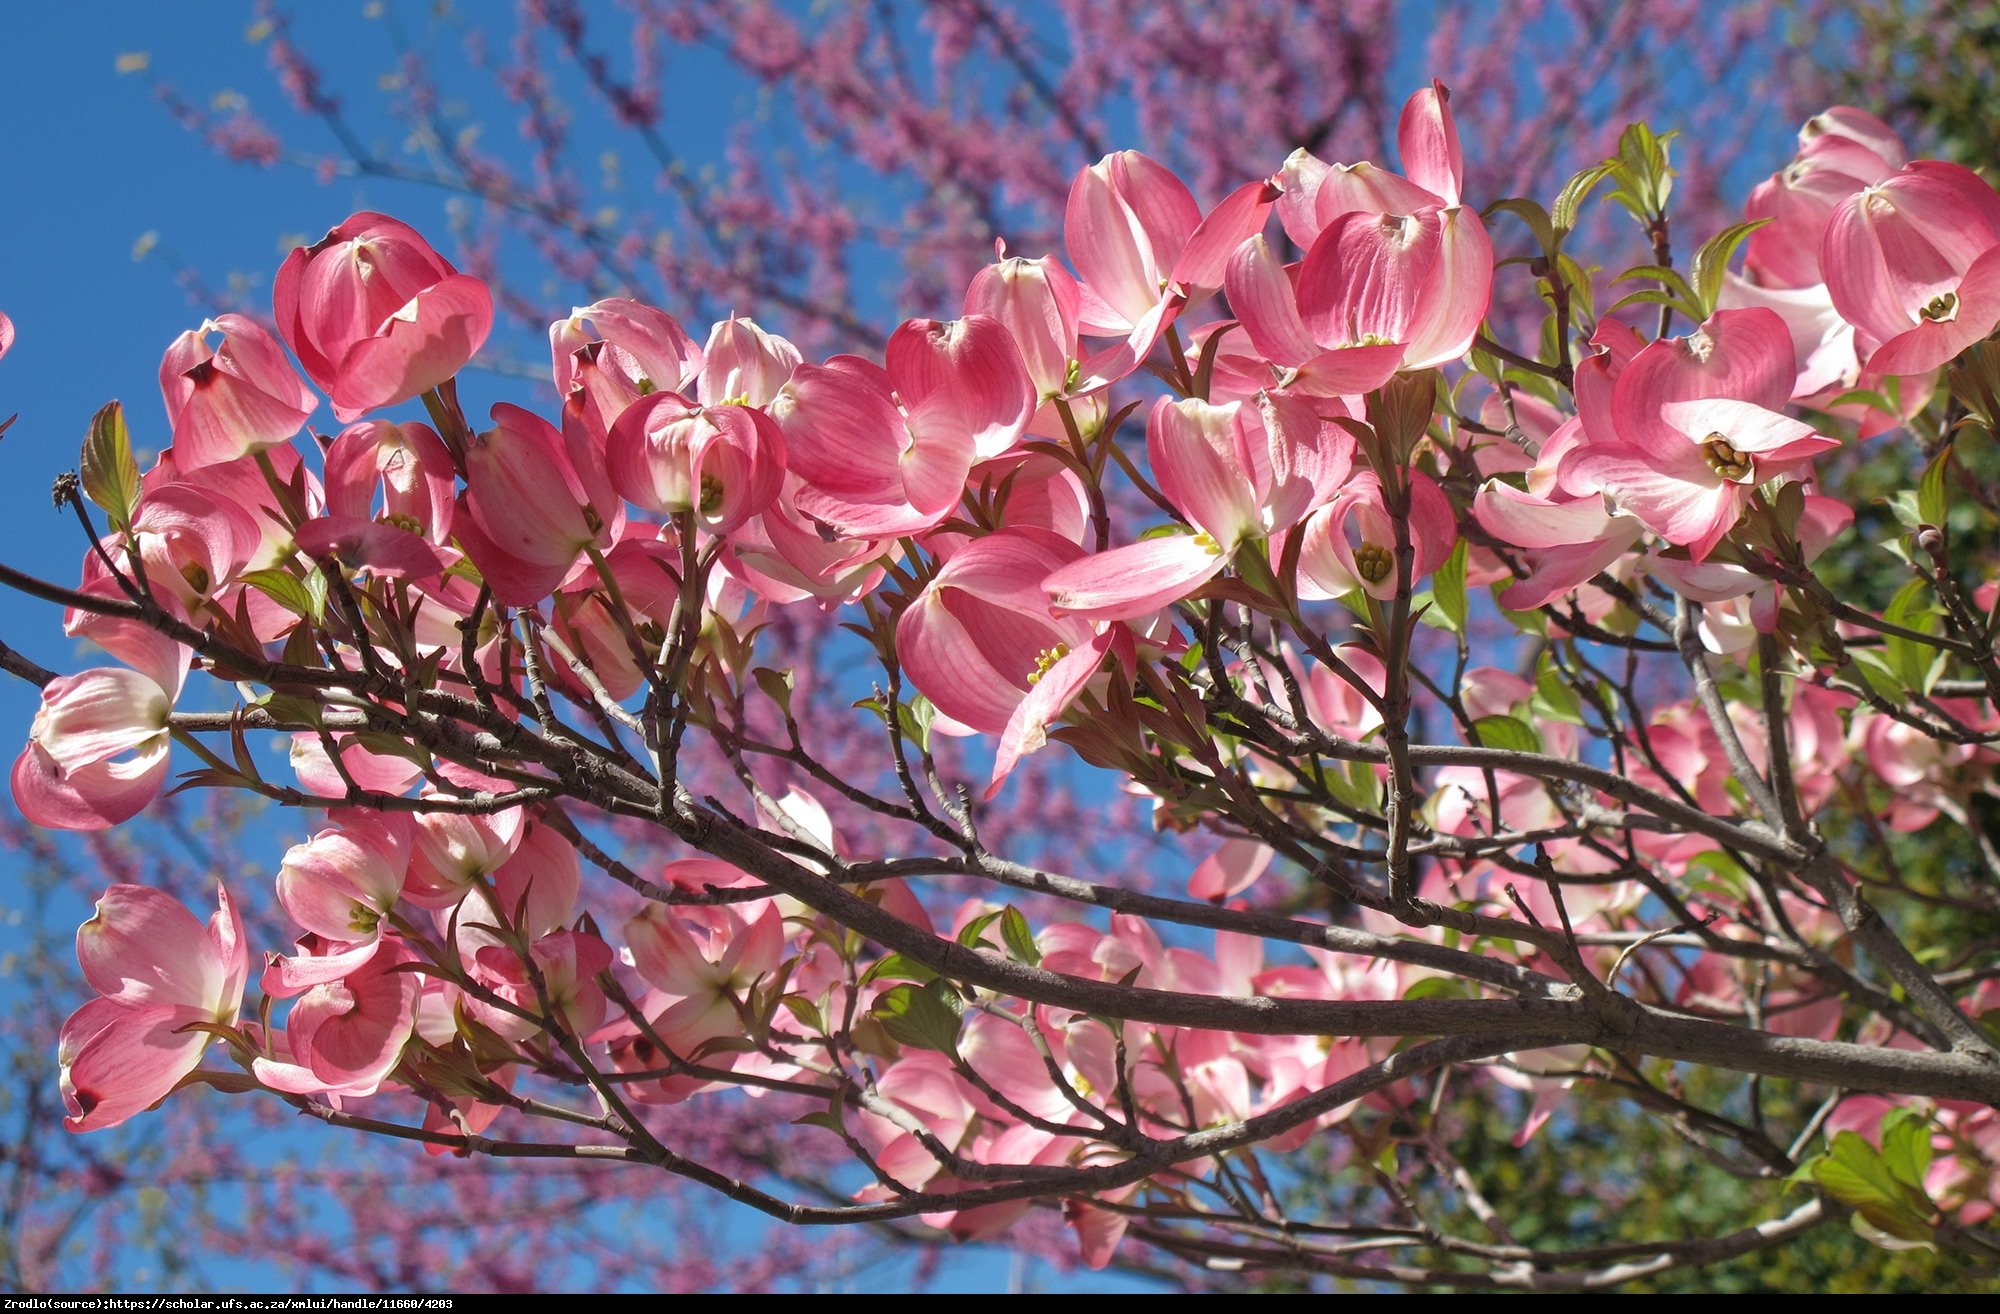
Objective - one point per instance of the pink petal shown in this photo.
(1135, 580)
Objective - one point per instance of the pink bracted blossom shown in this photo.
(719, 464)
(238, 397)
(193, 543)
(343, 883)
(1840, 152)
(410, 466)
(1143, 250)
(528, 516)
(1697, 428)
(638, 351)
(744, 364)
(887, 452)
(98, 750)
(1041, 307)
(450, 851)
(345, 1036)
(980, 636)
(1351, 544)
(1567, 541)
(1914, 265)
(377, 317)
(160, 975)
(1240, 473)
(1390, 261)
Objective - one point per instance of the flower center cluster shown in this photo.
(1373, 562)
(1724, 459)
(1044, 659)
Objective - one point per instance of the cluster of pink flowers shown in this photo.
(953, 497)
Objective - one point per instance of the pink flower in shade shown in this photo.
(1696, 428)
(567, 963)
(232, 399)
(1144, 251)
(744, 364)
(721, 464)
(703, 965)
(1821, 522)
(193, 543)
(1351, 544)
(451, 851)
(1841, 151)
(407, 464)
(981, 636)
(1238, 472)
(380, 773)
(98, 749)
(157, 970)
(1567, 541)
(377, 317)
(1914, 265)
(345, 1036)
(528, 516)
(887, 452)
(785, 556)
(342, 884)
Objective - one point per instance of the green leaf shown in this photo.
(777, 686)
(1571, 197)
(1712, 261)
(1020, 937)
(1656, 297)
(1507, 732)
(1933, 505)
(1554, 699)
(110, 475)
(1448, 589)
(288, 591)
(970, 933)
(1531, 214)
(1665, 275)
(1909, 659)
(895, 967)
(926, 1017)
(1906, 1146)
(806, 1012)
(913, 719)
(1853, 1172)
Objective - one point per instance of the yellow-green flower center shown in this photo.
(1046, 658)
(1373, 562)
(1724, 459)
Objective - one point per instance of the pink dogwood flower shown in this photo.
(720, 464)
(1238, 472)
(376, 316)
(529, 516)
(1914, 265)
(1351, 544)
(883, 452)
(981, 635)
(98, 750)
(232, 399)
(1143, 250)
(157, 971)
(1696, 428)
